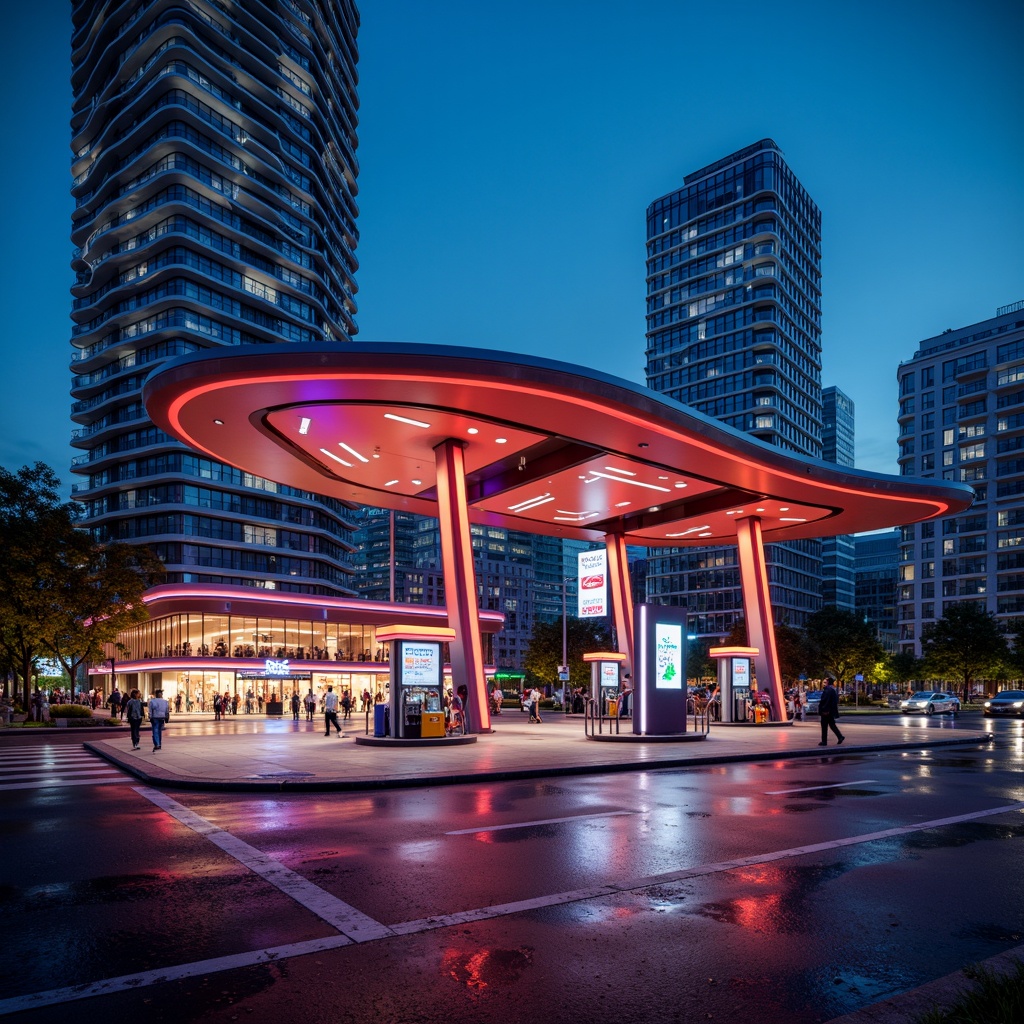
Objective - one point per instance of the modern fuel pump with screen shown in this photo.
(734, 682)
(417, 680)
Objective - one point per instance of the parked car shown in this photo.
(931, 702)
(1007, 702)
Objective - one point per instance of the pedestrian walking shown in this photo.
(218, 707)
(133, 712)
(295, 705)
(346, 705)
(331, 711)
(115, 703)
(535, 705)
(828, 709)
(310, 706)
(159, 715)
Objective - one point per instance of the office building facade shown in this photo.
(838, 555)
(734, 331)
(961, 417)
(214, 185)
(877, 556)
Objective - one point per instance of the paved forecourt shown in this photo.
(286, 755)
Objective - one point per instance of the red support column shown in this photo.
(621, 594)
(757, 610)
(460, 581)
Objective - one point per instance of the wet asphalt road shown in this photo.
(674, 895)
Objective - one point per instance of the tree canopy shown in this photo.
(544, 654)
(840, 643)
(966, 643)
(60, 593)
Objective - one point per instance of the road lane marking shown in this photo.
(542, 821)
(810, 789)
(631, 885)
(133, 982)
(144, 979)
(57, 781)
(338, 914)
(63, 774)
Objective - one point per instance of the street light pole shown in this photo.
(566, 704)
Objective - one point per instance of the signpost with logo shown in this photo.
(592, 596)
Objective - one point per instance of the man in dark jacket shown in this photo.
(829, 711)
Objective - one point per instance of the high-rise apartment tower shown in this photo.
(734, 330)
(214, 184)
(961, 415)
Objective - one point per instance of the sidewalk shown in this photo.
(249, 753)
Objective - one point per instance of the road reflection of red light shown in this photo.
(483, 837)
(756, 912)
(483, 802)
(482, 968)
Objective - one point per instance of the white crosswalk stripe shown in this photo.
(47, 766)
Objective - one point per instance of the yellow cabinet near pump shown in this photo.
(432, 723)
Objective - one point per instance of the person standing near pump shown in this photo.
(331, 711)
(159, 713)
(829, 712)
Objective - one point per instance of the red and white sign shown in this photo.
(592, 598)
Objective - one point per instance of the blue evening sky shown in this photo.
(509, 150)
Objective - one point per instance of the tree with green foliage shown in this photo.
(967, 643)
(37, 529)
(902, 667)
(544, 654)
(60, 593)
(840, 643)
(100, 596)
(790, 646)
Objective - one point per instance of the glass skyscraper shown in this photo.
(214, 184)
(734, 330)
(838, 554)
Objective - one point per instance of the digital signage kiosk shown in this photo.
(659, 694)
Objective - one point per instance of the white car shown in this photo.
(931, 702)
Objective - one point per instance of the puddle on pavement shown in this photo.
(478, 969)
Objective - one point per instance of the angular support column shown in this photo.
(757, 609)
(621, 594)
(460, 581)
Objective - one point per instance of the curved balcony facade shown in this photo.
(215, 205)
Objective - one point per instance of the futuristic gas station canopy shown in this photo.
(471, 435)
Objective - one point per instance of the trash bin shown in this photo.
(380, 720)
(613, 708)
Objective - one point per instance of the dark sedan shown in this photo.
(1008, 702)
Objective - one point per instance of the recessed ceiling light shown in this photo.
(337, 458)
(352, 451)
(501, 440)
(679, 483)
(758, 509)
(783, 508)
(654, 508)
(220, 423)
(692, 529)
(662, 477)
(304, 425)
(704, 534)
(524, 506)
(626, 472)
(622, 504)
(791, 519)
(634, 483)
(473, 430)
(405, 419)
(417, 482)
(391, 483)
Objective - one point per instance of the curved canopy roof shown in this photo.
(550, 448)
